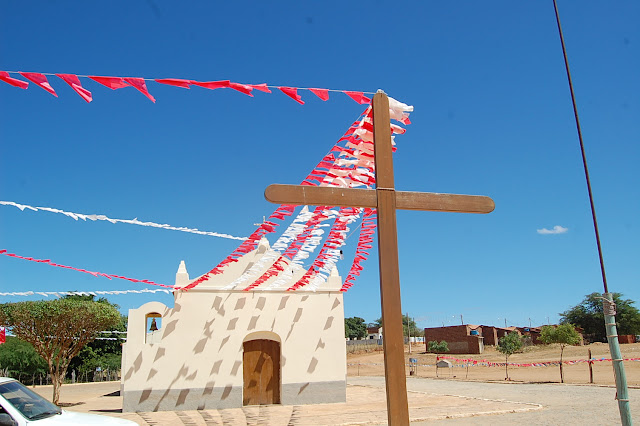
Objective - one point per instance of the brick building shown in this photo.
(461, 339)
(492, 334)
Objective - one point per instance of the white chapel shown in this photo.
(222, 347)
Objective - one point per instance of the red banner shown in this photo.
(140, 84)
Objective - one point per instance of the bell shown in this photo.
(154, 326)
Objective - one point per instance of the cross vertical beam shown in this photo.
(393, 341)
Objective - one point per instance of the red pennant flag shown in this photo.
(4, 76)
(212, 84)
(321, 93)
(178, 82)
(111, 82)
(292, 92)
(359, 97)
(40, 80)
(139, 84)
(3, 336)
(242, 88)
(261, 87)
(73, 81)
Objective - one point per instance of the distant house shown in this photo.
(461, 339)
(492, 334)
(531, 332)
(374, 333)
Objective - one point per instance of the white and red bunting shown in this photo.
(140, 84)
(349, 163)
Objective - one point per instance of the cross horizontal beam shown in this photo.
(352, 197)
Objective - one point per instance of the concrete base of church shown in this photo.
(229, 397)
(314, 393)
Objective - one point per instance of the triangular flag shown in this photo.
(321, 93)
(359, 97)
(111, 82)
(212, 84)
(292, 92)
(4, 76)
(73, 81)
(40, 80)
(139, 84)
(261, 87)
(242, 88)
(178, 82)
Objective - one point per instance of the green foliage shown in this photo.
(437, 348)
(103, 353)
(507, 346)
(355, 328)
(408, 325)
(589, 316)
(564, 334)
(20, 360)
(510, 344)
(58, 329)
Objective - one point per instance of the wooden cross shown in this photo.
(386, 200)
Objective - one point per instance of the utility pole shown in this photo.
(505, 323)
(609, 307)
(461, 320)
(529, 322)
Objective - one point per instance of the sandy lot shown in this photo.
(371, 364)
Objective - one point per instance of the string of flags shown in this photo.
(464, 363)
(349, 163)
(95, 217)
(484, 362)
(73, 80)
(95, 274)
(83, 293)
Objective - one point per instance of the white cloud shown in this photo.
(556, 230)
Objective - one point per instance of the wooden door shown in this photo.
(261, 372)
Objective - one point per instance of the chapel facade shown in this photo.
(222, 347)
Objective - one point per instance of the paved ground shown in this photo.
(430, 400)
(562, 404)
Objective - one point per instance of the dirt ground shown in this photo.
(372, 364)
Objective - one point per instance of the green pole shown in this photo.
(616, 359)
(609, 306)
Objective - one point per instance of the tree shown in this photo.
(564, 334)
(58, 329)
(104, 352)
(355, 328)
(589, 316)
(508, 345)
(20, 360)
(438, 348)
(408, 325)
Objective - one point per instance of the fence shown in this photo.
(45, 378)
(368, 345)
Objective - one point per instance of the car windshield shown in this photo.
(29, 403)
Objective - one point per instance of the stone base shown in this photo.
(228, 397)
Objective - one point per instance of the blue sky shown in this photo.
(492, 117)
